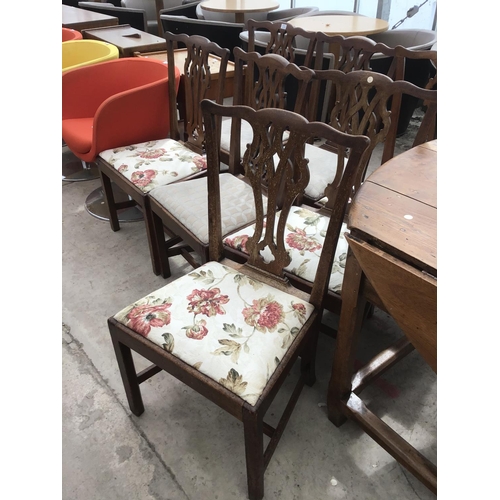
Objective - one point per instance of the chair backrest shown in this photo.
(284, 166)
(261, 81)
(331, 13)
(414, 39)
(362, 106)
(224, 34)
(135, 17)
(187, 9)
(266, 81)
(197, 79)
(287, 14)
(149, 6)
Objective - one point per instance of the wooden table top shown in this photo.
(242, 6)
(396, 207)
(341, 25)
(239, 7)
(79, 19)
(127, 39)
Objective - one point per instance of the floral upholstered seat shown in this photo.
(304, 237)
(155, 163)
(194, 319)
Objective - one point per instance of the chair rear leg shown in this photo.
(254, 453)
(129, 375)
(110, 201)
(308, 357)
(161, 254)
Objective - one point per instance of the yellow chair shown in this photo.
(77, 53)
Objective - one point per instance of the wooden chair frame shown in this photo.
(268, 92)
(195, 82)
(351, 54)
(369, 93)
(256, 161)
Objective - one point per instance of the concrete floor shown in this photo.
(183, 446)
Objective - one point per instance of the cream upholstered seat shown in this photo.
(195, 317)
(237, 204)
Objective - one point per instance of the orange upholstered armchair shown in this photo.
(114, 103)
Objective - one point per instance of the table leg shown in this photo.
(159, 6)
(351, 319)
(239, 17)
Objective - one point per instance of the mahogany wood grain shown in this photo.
(213, 62)
(409, 295)
(397, 257)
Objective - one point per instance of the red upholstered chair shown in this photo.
(114, 104)
(75, 54)
(69, 34)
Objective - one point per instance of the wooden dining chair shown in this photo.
(182, 207)
(318, 51)
(233, 332)
(139, 168)
(362, 109)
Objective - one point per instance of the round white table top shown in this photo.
(341, 25)
(239, 6)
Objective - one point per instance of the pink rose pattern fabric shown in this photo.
(304, 237)
(232, 328)
(155, 163)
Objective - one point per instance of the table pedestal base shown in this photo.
(96, 206)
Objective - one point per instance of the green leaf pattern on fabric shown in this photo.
(228, 326)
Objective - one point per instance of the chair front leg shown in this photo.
(254, 453)
(128, 373)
